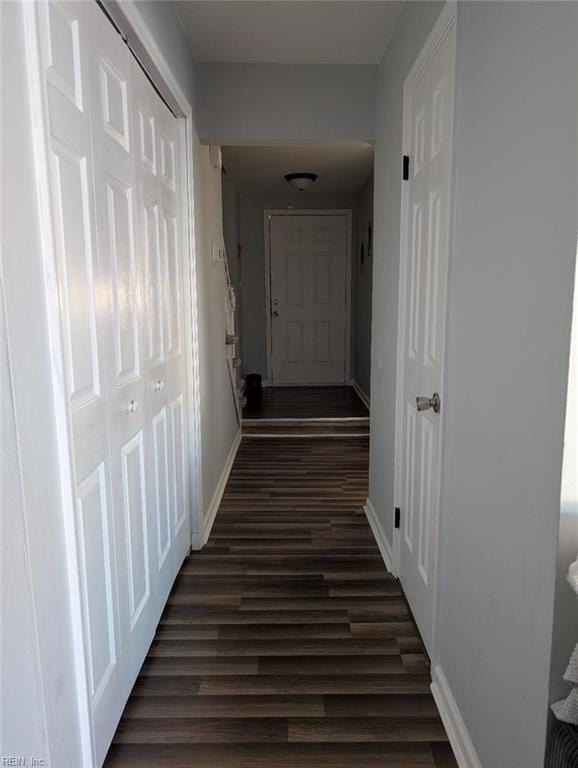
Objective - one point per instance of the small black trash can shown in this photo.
(253, 390)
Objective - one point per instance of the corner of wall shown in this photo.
(385, 547)
(211, 512)
(219, 426)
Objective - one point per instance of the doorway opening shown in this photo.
(300, 262)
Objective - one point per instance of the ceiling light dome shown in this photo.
(300, 181)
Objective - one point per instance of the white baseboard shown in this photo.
(362, 395)
(460, 741)
(211, 513)
(196, 541)
(382, 542)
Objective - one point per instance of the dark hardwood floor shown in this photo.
(285, 642)
(306, 403)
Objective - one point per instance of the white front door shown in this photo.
(116, 207)
(428, 115)
(309, 298)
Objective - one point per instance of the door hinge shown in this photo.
(405, 171)
(397, 516)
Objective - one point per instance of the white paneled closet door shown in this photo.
(116, 206)
(428, 121)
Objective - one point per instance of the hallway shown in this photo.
(285, 642)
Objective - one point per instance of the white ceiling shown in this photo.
(341, 166)
(289, 31)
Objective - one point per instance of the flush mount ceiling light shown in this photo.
(300, 181)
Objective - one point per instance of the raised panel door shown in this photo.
(429, 114)
(309, 306)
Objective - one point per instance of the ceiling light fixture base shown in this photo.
(300, 181)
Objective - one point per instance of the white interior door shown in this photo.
(428, 115)
(116, 205)
(309, 298)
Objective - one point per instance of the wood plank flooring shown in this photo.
(285, 642)
(306, 403)
(346, 427)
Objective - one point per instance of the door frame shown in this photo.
(446, 22)
(127, 19)
(347, 213)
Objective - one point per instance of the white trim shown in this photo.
(380, 537)
(137, 33)
(456, 730)
(443, 26)
(361, 394)
(213, 508)
(268, 213)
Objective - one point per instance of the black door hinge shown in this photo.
(397, 517)
(405, 172)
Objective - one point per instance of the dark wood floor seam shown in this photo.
(285, 642)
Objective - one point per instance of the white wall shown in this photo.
(22, 712)
(361, 292)
(510, 308)
(161, 18)
(510, 301)
(565, 628)
(231, 229)
(218, 420)
(267, 103)
(251, 212)
(232, 236)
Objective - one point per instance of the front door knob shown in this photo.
(425, 403)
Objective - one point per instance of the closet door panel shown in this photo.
(116, 205)
(119, 238)
(171, 213)
(155, 323)
(64, 32)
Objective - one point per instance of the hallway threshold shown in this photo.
(351, 426)
(285, 641)
(335, 402)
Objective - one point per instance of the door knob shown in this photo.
(132, 407)
(275, 313)
(159, 385)
(425, 403)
